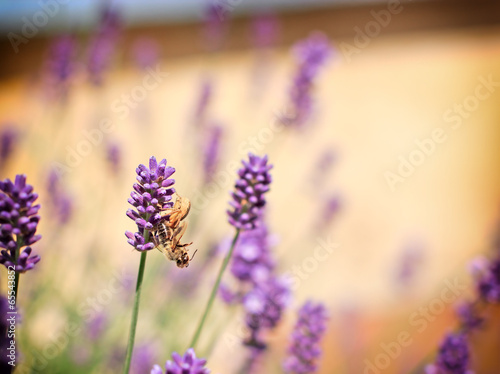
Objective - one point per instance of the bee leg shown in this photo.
(178, 232)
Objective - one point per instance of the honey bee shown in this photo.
(169, 232)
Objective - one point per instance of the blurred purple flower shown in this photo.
(145, 52)
(248, 197)
(8, 139)
(103, 45)
(322, 167)
(453, 356)
(61, 201)
(489, 282)
(265, 29)
(152, 194)
(409, 262)
(311, 54)
(305, 348)
(214, 26)
(187, 364)
(469, 317)
(264, 306)
(18, 224)
(60, 63)
(143, 359)
(212, 152)
(203, 101)
(252, 260)
(329, 211)
(114, 156)
(96, 326)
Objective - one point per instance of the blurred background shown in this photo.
(396, 171)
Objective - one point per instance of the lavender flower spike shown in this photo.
(304, 349)
(252, 260)
(8, 139)
(489, 282)
(311, 54)
(248, 197)
(212, 152)
(18, 224)
(151, 194)
(187, 364)
(453, 356)
(264, 306)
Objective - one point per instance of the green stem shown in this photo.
(214, 290)
(135, 311)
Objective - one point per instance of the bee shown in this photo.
(169, 232)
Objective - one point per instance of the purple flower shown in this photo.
(489, 282)
(248, 197)
(143, 359)
(18, 224)
(145, 52)
(214, 25)
(204, 98)
(264, 30)
(252, 260)
(114, 156)
(311, 54)
(102, 47)
(151, 194)
(469, 317)
(61, 201)
(8, 140)
(60, 64)
(212, 152)
(187, 364)
(453, 356)
(304, 349)
(329, 211)
(96, 326)
(264, 306)
(409, 262)
(322, 167)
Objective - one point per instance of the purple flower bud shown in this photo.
(204, 98)
(8, 139)
(489, 281)
(311, 54)
(96, 326)
(143, 358)
(103, 46)
(214, 25)
(453, 356)
(60, 64)
(187, 364)
(60, 200)
(304, 349)
(212, 152)
(18, 224)
(469, 317)
(154, 198)
(265, 30)
(247, 203)
(145, 52)
(114, 156)
(264, 306)
(252, 260)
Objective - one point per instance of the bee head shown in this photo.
(183, 261)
